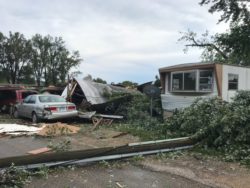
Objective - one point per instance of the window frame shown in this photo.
(228, 82)
(212, 84)
(197, 81)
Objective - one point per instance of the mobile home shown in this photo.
(182, 84)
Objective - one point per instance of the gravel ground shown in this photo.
(123, 176)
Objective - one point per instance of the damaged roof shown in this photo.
(95, 92)
(187, 66)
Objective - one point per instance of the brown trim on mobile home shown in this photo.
(186, 67)
(218, 76)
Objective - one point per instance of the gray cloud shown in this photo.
(119, 39)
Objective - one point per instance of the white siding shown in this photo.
(243, 82)
(171, 102)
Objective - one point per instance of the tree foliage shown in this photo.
(15, 56)
(218, 125)
(99, 80)
(235, 11)
(43, 59)
(231, 47)
(129, 84)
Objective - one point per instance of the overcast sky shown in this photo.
(118, 39)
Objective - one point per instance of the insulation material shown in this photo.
(16, 129)
(57, 129)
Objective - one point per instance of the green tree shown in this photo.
(231, 47)
(157, 81)
(60, 61)
(67, 61)
(16, 56)
(129, 84)
(40, 55)
(2, 58)
(235, 11)
(99, 80)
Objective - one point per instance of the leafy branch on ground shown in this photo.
(217, 125)
(64, 145)
(18, 177)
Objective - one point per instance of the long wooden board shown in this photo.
(96, 152)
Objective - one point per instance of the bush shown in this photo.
(217, 124)
(138, 118)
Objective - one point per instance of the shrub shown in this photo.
(217, 124)
(136, 112)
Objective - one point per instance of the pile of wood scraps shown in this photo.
(99, 119)
(57, 129)
(103, 119)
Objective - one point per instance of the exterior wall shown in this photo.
(243, 82)
(178, 100)
(166, 83)
(172, 101)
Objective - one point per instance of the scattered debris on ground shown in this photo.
(39, 150)
(16, 129)
(209, 171)
(57, 129)
(122, 174)
(64, 145)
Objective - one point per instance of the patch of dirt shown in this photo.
(208, 171)
(85, 138)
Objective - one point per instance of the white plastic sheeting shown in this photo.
(16, 129)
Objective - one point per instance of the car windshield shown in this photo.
(50, 99)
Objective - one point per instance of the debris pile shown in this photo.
(57, 129)
(54, 129)
(15, 129)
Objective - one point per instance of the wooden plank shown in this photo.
(52, 157)
(39, 150)
(96, 152)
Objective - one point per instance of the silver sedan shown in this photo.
(45, 107)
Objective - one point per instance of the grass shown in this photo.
(139, 131)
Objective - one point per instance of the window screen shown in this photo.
(233, 81)
(206, 80)
(189, 81)
(177, 82)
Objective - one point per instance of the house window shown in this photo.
(190, 81)
(233, 81)
(196, 80)
(184, 81)
(177, 81)
(206, 80)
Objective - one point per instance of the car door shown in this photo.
(23, 107)
(30, 106)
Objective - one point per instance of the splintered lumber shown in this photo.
(57, 129)
(146, 147)
(120, 134)
(40, 150)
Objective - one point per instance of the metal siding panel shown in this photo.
(171, 102)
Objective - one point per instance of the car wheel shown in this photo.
(35, 118)
(15, 114)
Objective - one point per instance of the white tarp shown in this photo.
(16, 129)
